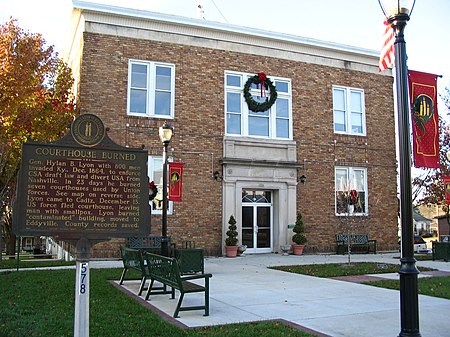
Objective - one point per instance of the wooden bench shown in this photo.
(359, 241)
(166, 271)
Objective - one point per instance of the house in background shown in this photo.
(332, 122)
(422, 225)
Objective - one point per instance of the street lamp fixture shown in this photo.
(397, 13)
(165, 134)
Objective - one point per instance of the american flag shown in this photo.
(387, 52)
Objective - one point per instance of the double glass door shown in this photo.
(257, 221)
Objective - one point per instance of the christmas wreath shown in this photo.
(261, 80)
(153, 190)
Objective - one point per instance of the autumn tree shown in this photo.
(428, 187)
(35, 104)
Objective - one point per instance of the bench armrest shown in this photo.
(196, 276)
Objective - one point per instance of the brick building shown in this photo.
(332, 122)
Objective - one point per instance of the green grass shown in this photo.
(41, 303)
(431, 286)
(29, 262)
(342, 269)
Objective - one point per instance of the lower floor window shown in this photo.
(155, 169)
(351, 190)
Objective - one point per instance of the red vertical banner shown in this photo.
(175, 181)
(447, 189)
(423, 95)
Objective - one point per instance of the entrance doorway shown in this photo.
(257, 221)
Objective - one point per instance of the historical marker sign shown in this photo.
(83, 185)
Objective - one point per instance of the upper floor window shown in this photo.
(348, 111)
(275, 123)
(351, 190)
(151, 89)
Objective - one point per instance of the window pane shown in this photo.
(163, 75)
(282, 128)
(157, 171)
(233, 102)
(357, 123)
(356, 101)
(139, 76)
(282, 108)
(338, 99)
(341, 180)
(282, 86)
(162, 103)
(233, 81)
(358, 180)
(234, 124)
(258, 126)
(138, 101)
(339, 121)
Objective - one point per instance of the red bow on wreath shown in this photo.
(262, 78)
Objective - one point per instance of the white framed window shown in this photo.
(155, 169)
(349, 111)
(151, 89)
(275, 123)
(351, 190)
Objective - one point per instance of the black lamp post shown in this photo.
(397, 13)
(165, 134)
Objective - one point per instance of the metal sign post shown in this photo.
(81, 323)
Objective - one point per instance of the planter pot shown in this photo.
(297, 249)
(231, 251)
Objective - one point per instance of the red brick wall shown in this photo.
(199, 127)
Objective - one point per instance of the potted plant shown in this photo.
(299, 237)
(231, 241)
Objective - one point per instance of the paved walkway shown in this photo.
(243, 289)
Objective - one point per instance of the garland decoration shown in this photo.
(262, 81)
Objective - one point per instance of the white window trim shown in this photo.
(150, 165)
(151, 89)
(366, 190)
(245, 111)
(348, 114)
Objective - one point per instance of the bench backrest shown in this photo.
(361, 239)
(132, 258)
(163, 269)
(144, 242)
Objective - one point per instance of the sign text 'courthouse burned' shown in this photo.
(73, 191)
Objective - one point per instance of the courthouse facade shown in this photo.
(325, 146)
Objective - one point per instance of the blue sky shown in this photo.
(353, 22)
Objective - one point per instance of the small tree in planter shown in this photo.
(231, 240)
(299, 237)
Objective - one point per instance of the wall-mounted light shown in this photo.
(217, 176)
(303, 179)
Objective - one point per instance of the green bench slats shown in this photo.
(133, 260)
(166, 271)
(361, 241)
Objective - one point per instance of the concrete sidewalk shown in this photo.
(243, 289)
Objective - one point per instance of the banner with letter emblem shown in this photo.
(175, 181)
(423, 95)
